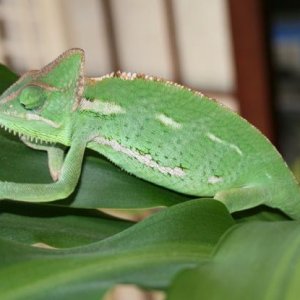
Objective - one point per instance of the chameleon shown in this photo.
(152, 128)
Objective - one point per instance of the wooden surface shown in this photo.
(253, 86)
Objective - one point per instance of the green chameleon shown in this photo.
(155, 129)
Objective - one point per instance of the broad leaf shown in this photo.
(149, 253)
(55, 226)
(255, 260)
(7, 78)
(260, 213)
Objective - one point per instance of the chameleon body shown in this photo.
(157, 130)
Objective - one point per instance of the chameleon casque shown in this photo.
(152, 128)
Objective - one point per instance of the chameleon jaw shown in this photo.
(24, 136)
(8, 120)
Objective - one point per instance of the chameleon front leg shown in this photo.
(62, 188)
(55, 156)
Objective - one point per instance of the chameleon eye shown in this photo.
(32, 97)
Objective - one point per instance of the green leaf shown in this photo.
(149, 254)
(55, 226)
(7, 78)
(102, 184)
(260, 213)
(256, 260)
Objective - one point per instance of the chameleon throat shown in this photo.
(24, 136)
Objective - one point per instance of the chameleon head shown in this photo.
(39, 105)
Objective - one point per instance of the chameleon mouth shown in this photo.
(29, 116)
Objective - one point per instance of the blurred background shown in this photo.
(244, 53)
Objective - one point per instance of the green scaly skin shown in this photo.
(154, 129)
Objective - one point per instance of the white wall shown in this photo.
(38, 31)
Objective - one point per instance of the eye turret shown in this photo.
(32, 97)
